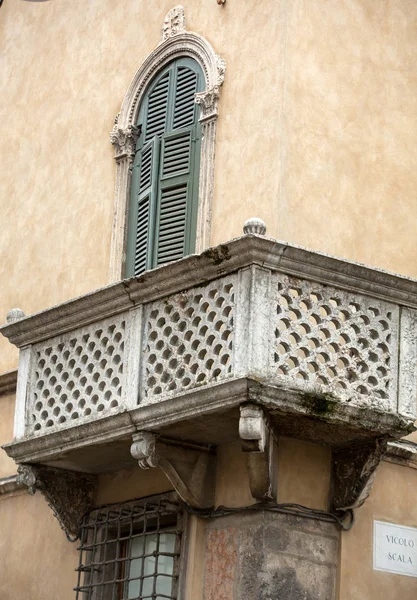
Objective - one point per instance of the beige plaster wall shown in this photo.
(7, 465)
(316, 131)
(304, 472)
(392, 499)
(37, 561)
(130, 484)
(349, 173)
(232, 484)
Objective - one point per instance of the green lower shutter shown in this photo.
(143, 208)
(176, 213)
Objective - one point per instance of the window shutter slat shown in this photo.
(176, 153)
(175, 183)
(158, 108)
(144, 208)
(186, 88)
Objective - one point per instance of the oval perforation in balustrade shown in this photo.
(329, 338)
(189, 339)
(75, 376)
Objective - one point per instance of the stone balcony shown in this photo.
(197, 351)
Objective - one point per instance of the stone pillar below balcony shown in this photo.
(264, 555)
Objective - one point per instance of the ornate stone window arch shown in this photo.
(176, 42)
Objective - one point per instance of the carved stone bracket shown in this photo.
(69, 494)
(259, 445)
(353, 473)
(190, 470)
(124, 140)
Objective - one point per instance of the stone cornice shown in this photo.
(213, 263)
(8, 382)
(402, 452)
(10, 485)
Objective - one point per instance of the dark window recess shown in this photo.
(131, 551)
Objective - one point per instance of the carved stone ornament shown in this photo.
(15, 314)
(259, 445)
(124, 140)
(254, 226)
(207, 102)
(353, 473)
(69, 494)
(174, 23)
(190, 470)
(176, 43)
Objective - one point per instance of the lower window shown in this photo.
(131, 551)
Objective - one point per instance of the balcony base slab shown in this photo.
(210, 415)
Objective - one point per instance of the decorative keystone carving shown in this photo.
(124, 140)
(258, 442)
(190, 470)
(174, 23)
(69, 494)
(353, 472)
(254, 225)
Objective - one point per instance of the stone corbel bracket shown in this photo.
(69, 494)
(259, 444)
(190, 470)
(353, 473)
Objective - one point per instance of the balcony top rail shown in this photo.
(294, 319)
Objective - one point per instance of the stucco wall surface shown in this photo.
(316, 131)
(393, 500)
(304, 472)
(37, 561)
(7, 465)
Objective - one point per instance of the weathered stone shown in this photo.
(220, 564)
(312, 340)
(69, 494)
(279, 556)
(353, 473)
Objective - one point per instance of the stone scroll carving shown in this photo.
(69, 494)
(190, 470)
(259, 445)
(176, 42)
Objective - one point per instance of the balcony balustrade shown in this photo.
(325, 348)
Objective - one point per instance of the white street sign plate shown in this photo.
(395, 548)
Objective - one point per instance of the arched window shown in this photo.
(164, 141)
(164, 186)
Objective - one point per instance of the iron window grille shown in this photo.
(131, 550)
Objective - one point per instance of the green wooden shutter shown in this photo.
(175, 217)
(178, 180)
(155, 121)
(142, 209)
(164, 187)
